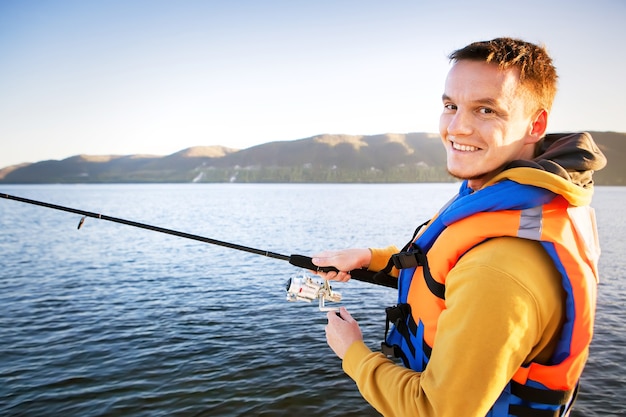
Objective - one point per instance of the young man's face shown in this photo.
(485, 122)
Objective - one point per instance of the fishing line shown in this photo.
(300, 261)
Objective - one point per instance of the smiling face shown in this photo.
(487, 121)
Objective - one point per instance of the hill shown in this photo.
(613, 145)
(411, 157)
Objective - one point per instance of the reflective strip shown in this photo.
(584, 221)
(530, 223)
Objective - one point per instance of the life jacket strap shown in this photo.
(522, 411)
(552, 397)
(416, 257)
(562, 398)
(397, 315)
(390, 351)
(384, 276)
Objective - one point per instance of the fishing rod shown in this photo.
(300, 261)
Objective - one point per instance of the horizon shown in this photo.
(150, 155)
(143, 77)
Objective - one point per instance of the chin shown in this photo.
(460, 175)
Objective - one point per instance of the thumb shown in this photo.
(343, 313)
(322, 260)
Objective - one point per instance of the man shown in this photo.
(497, 291)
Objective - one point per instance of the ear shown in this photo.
(538, 126)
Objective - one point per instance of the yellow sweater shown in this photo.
(504, 308)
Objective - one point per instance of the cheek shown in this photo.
(443, 124)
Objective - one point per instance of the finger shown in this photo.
(330, 276)
(343, 312)
(343, 276)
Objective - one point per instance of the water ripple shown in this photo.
(111, 321)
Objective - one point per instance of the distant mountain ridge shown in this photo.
(391, 157)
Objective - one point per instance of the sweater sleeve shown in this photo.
(380, 257)
(500, 312)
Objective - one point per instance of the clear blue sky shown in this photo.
(155, 77)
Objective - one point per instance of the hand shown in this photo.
(344, 260)
(341, 332)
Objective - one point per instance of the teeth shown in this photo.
(464, 148)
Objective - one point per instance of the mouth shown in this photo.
(463, 148)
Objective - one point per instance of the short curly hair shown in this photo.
(536, 71)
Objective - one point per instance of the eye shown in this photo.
(485, 110)
(450, 107)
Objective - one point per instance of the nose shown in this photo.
(457, 123)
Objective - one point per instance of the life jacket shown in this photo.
(506, 208)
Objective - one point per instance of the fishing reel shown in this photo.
(304, 288)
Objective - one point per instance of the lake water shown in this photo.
(111, 320)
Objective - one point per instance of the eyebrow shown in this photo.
(483, 101)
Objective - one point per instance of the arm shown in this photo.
(498, 310)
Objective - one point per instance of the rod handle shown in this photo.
(361, 274)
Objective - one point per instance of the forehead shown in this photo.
(476, 80)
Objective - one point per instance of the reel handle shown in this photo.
(361, 274)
